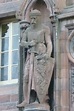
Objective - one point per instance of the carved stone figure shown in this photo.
(39, 64)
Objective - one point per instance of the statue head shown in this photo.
(35, 16)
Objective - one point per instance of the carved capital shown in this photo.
(19, 15)
(24, 24)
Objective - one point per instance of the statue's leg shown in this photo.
(25, 86)
(45, 99)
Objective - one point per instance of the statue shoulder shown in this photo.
(46, 28)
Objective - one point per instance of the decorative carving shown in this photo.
(43, 72)
(72, 86)
(70, 47)
(39, 64)
(27, 5)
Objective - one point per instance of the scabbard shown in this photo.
(30, 74)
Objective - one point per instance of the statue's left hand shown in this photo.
(45, 56)
(32, 43)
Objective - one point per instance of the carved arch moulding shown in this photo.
(27, 5)
(70, 46)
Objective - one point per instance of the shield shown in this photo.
(42, 75)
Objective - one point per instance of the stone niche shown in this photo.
(44, 7)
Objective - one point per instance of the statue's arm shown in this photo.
(48, 41)
(25, 43)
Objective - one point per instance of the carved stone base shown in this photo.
(37, 107)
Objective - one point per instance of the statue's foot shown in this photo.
(22, 105)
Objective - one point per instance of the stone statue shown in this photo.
(39, 64)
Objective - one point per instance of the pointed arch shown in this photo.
(31, 2)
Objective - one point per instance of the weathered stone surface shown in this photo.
(37, 107)
(9, 89)
(64, 60)
(8, 105)
(43, 74)
(8, 97)
(9, 8)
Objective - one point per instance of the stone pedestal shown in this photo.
(37, 107)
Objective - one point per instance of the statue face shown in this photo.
(34, 19)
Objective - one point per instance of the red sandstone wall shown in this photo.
(8, 97)
(61, 4)
(8, 93)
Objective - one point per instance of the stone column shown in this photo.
(56, 105)
(64, 74)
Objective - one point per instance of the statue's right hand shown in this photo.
(27, 44)
(24, 44)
